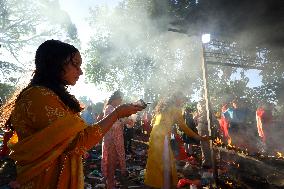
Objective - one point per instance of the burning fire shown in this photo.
(217, 141)
(230, 145)
(229, 183)
(230, 141)
(279, 155)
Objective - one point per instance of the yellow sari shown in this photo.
(159, 144)
(52, 140)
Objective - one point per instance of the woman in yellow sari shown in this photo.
(51, 135)
(160, 168)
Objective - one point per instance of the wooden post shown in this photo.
(207, 97)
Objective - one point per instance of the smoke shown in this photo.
(167, 51)
(163, 60)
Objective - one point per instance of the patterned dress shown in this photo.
(52, 140)
(113, 150)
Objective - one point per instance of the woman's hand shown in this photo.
(121, 111)
(126, 110)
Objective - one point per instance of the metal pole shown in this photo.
(206, 96)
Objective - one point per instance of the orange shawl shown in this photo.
(52, 140)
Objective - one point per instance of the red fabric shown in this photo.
(259, 122)
(260, 112)
(113, 152)
(264, 120)
(146, 120)
(183, 182)
(182, 154)
(224, 123)
(265, 115)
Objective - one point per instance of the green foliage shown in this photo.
(9, 73)
(273, 78)
(23, 22)
(127, 52)
(192, 106)
(6, 91)
(133, 50)
(24, 25)
(255, 22)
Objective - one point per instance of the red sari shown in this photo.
(264, 121)
(224, 123)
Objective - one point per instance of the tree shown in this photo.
(10, 73)
(5, 91)
(255, 22)
(255, 25)
(153, 47)
(272, 89)
(24, 24)
(127, 52)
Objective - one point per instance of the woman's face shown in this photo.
(72, 70)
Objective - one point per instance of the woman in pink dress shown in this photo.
(113, 151)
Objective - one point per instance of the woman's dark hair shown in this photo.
(117, 94)
(50, 59)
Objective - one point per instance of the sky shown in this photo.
(78, 11)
